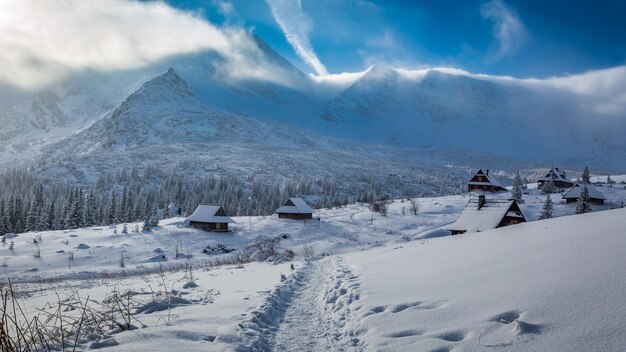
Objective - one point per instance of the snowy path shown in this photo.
(311, 311)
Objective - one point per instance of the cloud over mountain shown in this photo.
(45, 40)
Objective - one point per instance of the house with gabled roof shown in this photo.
(295, 208)
(482, 181)
(481, 214)
(595, 196)
(209, 218)
(558, 176)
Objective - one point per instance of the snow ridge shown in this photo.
(311, 310)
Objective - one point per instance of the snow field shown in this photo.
(380, 283)
(550, 285)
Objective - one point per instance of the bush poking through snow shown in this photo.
(38, 252)
(414, 206)
(308, 251)
(268, 250)
(380, 207)
(68, 325)
(218, 249)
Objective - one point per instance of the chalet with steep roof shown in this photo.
(482, 181)
(481, 214)
(295, 208)
(559, 178)
(209, 218)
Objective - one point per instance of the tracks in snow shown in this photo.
(310, 311)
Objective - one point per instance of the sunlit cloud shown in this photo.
(45, 40)
(297, 26)
(508, 29)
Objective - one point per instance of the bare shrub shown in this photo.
(308, 251)
(66, 325)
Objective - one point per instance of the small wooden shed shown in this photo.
(481, 214)
(209, 218)
(482, 181)
(595, 196)
(295, 208)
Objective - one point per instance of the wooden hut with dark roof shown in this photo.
(559, 178)
(482, 181)
(595, 196)
(295, 208)
(209, 218)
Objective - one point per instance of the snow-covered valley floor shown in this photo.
(376, 283)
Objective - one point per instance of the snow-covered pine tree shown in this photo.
(583, 205)
(52, 224)
(609, 182)
(3, 226)
(547, 208)
(586, 178)
(122, 211)
(548, 186)
(516, 191)
(112, 210)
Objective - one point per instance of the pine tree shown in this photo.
(52, 225)
(516, 191)
(547, 208)
(3, 226)
(112, 210)
(548, 186)
(609, 182)
(583, 205)
(586, 178)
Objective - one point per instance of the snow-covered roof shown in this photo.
(295, 206)
(574, 192)
(473, 219)
(555, 173)
(208, 213)
(491, 180)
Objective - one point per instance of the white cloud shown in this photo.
(296, 26)
(598, 92)
(508, 29)
(45, 40)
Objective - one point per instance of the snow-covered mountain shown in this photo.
(164, 123)
(389, 108)
(442, 110)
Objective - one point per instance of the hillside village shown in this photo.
(215, 252)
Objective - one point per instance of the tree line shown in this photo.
(133, 195)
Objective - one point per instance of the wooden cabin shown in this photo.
(559, 178)
(295, 208)
(595, 196)
(481, 214)
(482, 181)
(209, 218)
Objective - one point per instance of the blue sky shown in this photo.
(525, 38)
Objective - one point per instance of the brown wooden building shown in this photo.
(559, 178)
(481, 214)
(209, 218)
(295, 208)
(482, 181)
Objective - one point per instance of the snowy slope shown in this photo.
(32, 121)
(552, 285)
(540, 286)
(164, 123)
(427, 108)
(443, 110)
